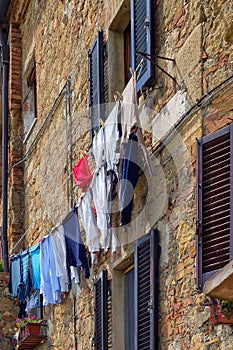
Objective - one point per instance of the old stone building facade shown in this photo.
(185, 96)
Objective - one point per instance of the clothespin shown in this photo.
(102, 122)
(119, 95)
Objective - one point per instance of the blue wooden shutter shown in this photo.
(214, 203)
(146, 291)
(142, 38)
(96, 82)
(101, 311)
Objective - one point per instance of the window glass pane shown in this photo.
(29, 111)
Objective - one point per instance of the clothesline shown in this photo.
(130, 97)
(17, 243)
(50, 265)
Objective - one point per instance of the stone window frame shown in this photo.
(115, 50)
(120, 268)
(115, 45)
(111, 58)
(29, 99)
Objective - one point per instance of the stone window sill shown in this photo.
(220, 285)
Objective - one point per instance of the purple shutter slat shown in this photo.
(231, 191)
(199, 213)
(214, 203)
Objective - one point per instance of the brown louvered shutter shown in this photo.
(146, 292)
(101, 312)
(214, 201)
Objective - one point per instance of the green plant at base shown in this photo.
(226, 308)
(21, 322)
(1, 266)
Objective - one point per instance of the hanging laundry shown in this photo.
(50, 285)
(22, 310)
(130, 119)
(112, 133)
(98, 145)
(34, 252)
(129, 178)
(24, 265)
(82, 173)
(129, 108)
(15, 275)
(76, 254)
(113, 207)
(26, 278)
(59, 250)
(83, 258)
(75, 274)
(101, 204)
(33, 302)
(89, 222)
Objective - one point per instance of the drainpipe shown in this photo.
(4, 49)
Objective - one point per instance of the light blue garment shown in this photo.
(59, 251)
(15, 275)
(35, 262)
(24, 266)
(50, 285)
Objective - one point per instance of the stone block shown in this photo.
(189, 56)
(196, 342)
(166, 119)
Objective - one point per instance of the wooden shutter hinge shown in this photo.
(147, 23)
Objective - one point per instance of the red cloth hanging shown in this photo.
(82, 172)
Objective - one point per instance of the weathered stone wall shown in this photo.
(16, 171)
(184, 311)
(8, 314)
(198, 35)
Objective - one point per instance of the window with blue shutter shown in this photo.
(96, 82)
(146, 269)
(142, 38)
(214, 203)
(101, 312)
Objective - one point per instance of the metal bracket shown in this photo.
(152, 57)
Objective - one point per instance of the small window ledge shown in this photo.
(29, 132)
(220, 285)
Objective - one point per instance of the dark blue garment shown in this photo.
(76, 254)
(129, 178)
(22, 310)
(15, 275)
(83, 259)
